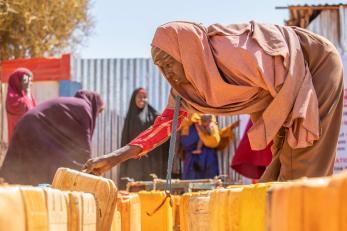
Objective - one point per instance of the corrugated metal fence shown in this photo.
(115, 80)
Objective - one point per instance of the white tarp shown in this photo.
(332, 24)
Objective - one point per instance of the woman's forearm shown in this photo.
(102, 164)
(123, 154)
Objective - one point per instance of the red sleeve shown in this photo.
(158, 133)
(18, 105)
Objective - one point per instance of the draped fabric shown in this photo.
(247, 162)
(56, 133)
(271, 79)
(327, 75)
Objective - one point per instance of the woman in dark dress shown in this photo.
(141, 116)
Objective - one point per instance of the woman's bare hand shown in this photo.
(99, 165)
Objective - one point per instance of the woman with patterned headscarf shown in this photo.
(288, 79)
(56, 133)
(19, 98)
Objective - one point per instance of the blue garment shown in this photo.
(198, 166)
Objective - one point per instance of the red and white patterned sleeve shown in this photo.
(158, 133)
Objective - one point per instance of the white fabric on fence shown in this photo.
(332, 25)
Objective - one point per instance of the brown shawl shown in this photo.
(246, 69)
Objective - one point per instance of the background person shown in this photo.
(56, 133)
(19, 98)
(141, 116)
(200, 140)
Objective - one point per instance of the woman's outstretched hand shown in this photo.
(99, 165)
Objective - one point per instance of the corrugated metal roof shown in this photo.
(314, 6)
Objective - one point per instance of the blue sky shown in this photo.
(124, 29)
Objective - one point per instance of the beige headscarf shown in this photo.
(245, 69)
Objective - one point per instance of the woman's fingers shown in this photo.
(97, 166)
(87, 166)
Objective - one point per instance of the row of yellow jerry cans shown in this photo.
(306, 204)
(104, 191)
(153, 210)
(79, 202)
(199, 211)
(309, 204)
(37, 209)
(42, 209)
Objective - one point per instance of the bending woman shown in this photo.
(288, 79)
(56, 133)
